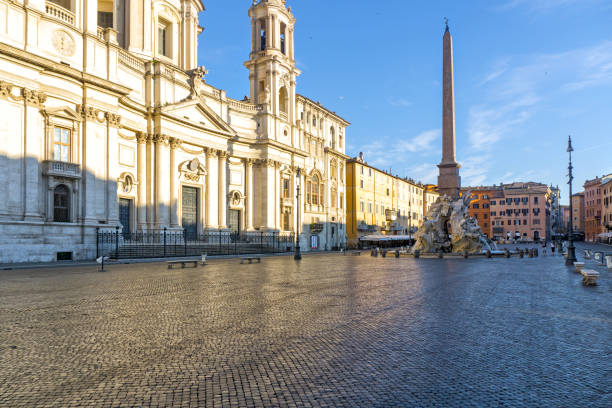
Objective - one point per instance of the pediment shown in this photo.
(63, 112)
(196, 112)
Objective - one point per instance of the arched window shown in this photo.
(262, 35)
(340, 141)
(61, 204)
(283, 100)
(332, 134)
(283, 44)
(314, 195)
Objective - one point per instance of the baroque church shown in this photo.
(108, 124)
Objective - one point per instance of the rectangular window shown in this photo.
(105, 19)
(286, 188)
(341, 201)
(369, 208)
(535, 200)
(163, 39)
(361, 183)
(362, 206)
(61, 144)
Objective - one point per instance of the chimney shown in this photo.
(360, 156)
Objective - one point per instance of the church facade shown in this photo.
(108, 123)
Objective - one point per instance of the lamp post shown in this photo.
(298, 253)
(571, 251)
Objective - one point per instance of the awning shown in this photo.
(386, 238)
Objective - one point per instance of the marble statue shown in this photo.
(449, 228)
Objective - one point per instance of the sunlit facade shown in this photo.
(107, 121)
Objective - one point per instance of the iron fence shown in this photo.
(176, 243)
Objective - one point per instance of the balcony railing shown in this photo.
(60, 13)
(61, 169)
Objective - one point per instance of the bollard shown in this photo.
(384, 253)
(397, 253)
(488, 253)
(465, 254)
(441, 254)
(535, 252)
(417, 254)
(507, 253)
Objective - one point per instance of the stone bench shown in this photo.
(184, 264)
(589, 277)
(250, 259)
(578, 266)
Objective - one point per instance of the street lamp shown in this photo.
(298, 253)
(571, 251)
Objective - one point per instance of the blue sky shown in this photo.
(527, 74)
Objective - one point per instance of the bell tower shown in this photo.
(271, 65)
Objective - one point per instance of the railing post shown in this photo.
(185, 240)
(117, 242)
(97, 242)
(165, 241)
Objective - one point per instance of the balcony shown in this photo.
(59, 13)
(61, 169)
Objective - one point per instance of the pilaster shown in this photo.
(222, 189)
(212, 192)
(162, 182)
(141, 209)
(174, 145)
(250, 194)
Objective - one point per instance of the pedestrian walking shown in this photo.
(552, 247)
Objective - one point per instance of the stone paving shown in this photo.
(332, 330)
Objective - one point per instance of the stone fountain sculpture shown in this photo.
(449, 228)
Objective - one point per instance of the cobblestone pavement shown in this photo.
(330, 331)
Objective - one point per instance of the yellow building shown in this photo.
(379, 202)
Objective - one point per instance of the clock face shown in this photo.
(63, 43)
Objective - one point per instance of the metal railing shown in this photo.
(177, 243)
(61, 169)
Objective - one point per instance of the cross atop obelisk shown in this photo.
(449, 181)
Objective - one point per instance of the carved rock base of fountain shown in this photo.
(448, 217)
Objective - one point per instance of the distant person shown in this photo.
(552, 247)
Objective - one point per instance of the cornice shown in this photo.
(17, 93)
(45, 64)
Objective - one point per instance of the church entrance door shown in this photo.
(189, 208)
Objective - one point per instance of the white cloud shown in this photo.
(513, 94)
(399, 102)
(383, 152)
(424, 172)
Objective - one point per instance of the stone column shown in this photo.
(250, 194)
(211, 189)
(291, 46)
(223, 189)
(141, 208)
(174, 144)
(253, 36)
(161, 179)
(269, 32)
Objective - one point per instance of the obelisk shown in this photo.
(449, 181)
